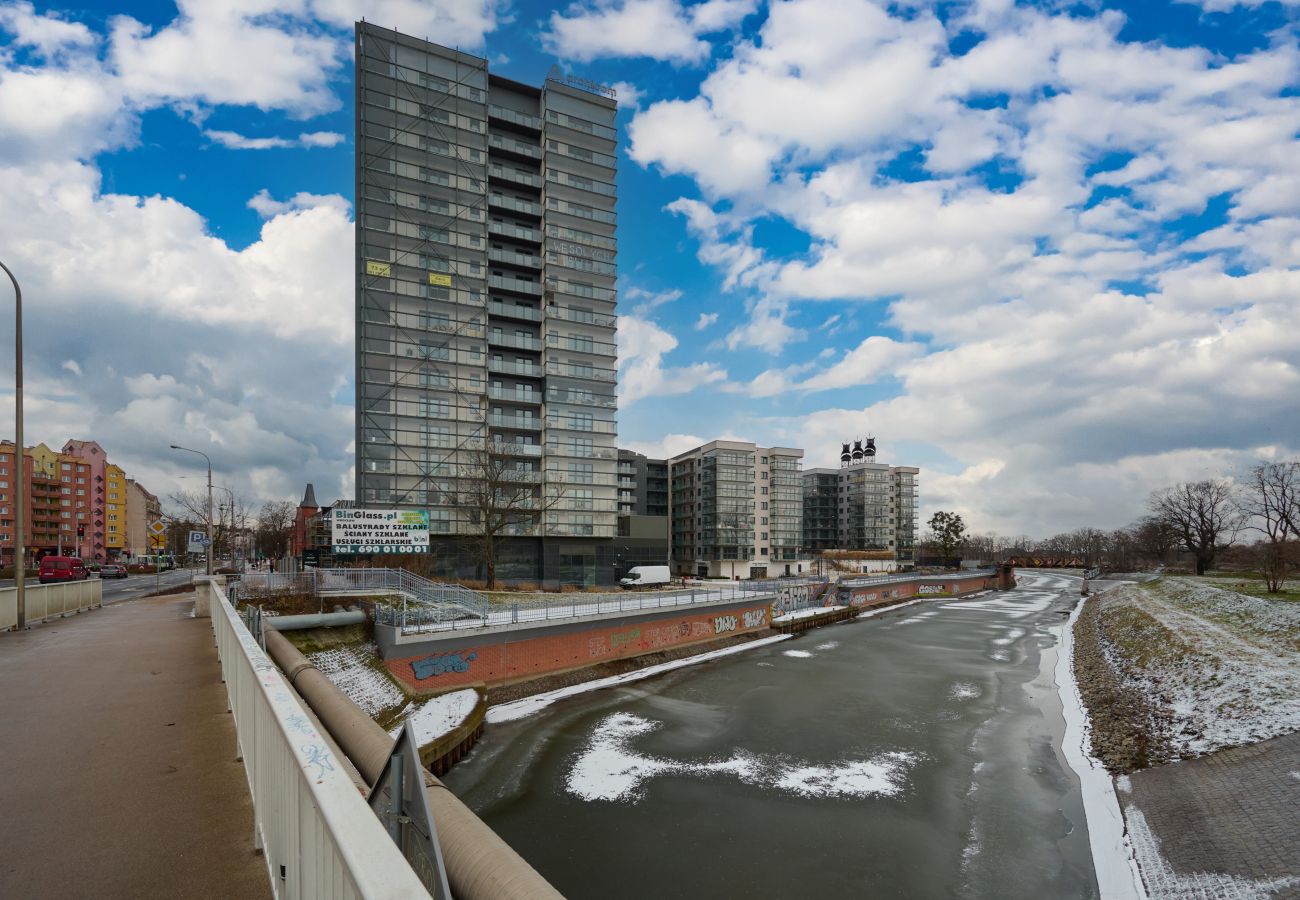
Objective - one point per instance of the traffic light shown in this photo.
(81, 531)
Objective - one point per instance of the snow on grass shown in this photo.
(437, 716)
(609, 769)
(518, 709)
(797, 654)
(1228, 672)
(805, 613)
(1163, 883)
(353, 670)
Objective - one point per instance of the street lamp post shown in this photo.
(20, 467)
(209, 461)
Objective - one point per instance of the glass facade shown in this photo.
(486, 305)
(864, 506)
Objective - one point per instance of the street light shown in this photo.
(209, 461)
(19, 457)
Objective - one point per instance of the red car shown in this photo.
(63, 568)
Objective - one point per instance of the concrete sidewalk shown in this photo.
(118, 775)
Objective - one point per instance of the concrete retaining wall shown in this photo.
(892, 592)
(440, 661)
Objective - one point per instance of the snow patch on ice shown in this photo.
(829, 645)
(965, 691)
(797, 654)
(1000, 656)
(876, 612)
(352, 669)
(805, 613)
(1010, 637)
(609, 769)
(437, 716)
(518, 709)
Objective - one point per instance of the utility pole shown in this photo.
(20, 458)
(209, 462)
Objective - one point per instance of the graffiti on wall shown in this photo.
(932, 589)
(724, 624)
(755, 617)
(442, 663)
(790, 598)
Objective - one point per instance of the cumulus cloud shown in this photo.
(705, 320)
(1088, 234)
(658, 29)
(642, 345)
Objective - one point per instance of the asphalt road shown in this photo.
(133, 586)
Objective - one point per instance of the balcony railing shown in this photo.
(513, 396)
(517, 341)
(571, 423)
(510, 145)
(506, 283)
(514, 368)
(511, 311)
(519, 423)
(572, 370)
(501, 201)
(513, 117)
(500, 173)
(518, 232)
(602, 401)
(578, 345)
(515, 259)
(513, 448)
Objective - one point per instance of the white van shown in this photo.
(645, 576)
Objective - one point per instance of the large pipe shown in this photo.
(318, 620)
(480, 866)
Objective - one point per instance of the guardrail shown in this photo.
(319, 837)
(45, 601)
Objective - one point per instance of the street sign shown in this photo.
(379, 531)
(156, 527)
(198, 541)
(157, 541)
(399, 800)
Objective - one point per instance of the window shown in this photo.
(581, 499)
(763, 490)
(581, 473)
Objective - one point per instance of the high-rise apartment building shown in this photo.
(485, 266)
(642, 485)
(863, 506)
(737, 511)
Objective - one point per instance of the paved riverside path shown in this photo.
(1234, 813)
(118, 775)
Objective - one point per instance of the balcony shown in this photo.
(575, 423)
(518, 285)
(581, 398)
(513, 448)
(579, 345)
(561, 476)
(514, 341)
(581, 451)
(589, 291)
(575, 370)
(584, 316)
(515, 205)
(512, 146)
(501, 114)
(512, 311)
(508, 395)
(517, 423)
(506, 367)
(515, 259)
(515, 176)
(518, 232)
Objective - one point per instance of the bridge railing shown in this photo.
(44, 601)
(319, 837)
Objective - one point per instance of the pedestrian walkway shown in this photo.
(119, 773)
(1226, 825)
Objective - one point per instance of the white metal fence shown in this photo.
(319, 837)
(45, 601)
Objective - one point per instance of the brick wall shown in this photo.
(475, 660)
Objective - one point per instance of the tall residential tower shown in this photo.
(485, 267)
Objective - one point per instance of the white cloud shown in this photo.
(667, 446)
(268, 207)
(48, 34)
(642, 346)
(72, 366)
(649, 301)
(705, 320)
(658, 29)
(875, 358)
(236, 141)
(628, 94)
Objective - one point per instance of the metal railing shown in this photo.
(319, 837)
(45, 601)
(910, 576)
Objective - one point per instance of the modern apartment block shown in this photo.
(642, 485)
(737, 511)
(77, 502)
(485, 267)
(865, 507)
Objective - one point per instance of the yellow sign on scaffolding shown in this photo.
(444, 280)
(375, 267)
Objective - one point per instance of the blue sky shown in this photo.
(1048, 252)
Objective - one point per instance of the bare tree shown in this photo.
(275, 522)
(1203, 516)
(1154, 539)
(1270, 505)
(498, 499)
(230, 514)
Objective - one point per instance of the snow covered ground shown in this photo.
(805, 613)
(437, 716)
(353, 670)
(1224, 666)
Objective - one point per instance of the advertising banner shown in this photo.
(379, 530)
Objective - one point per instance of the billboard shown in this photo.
(379, 530)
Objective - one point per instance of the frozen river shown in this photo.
(915, 754)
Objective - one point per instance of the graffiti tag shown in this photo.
(724, 623)
(432, 666)
(619, 638)
(931, 589)
(755, 617)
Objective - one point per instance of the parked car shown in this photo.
(112, 570)
(62, 568)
